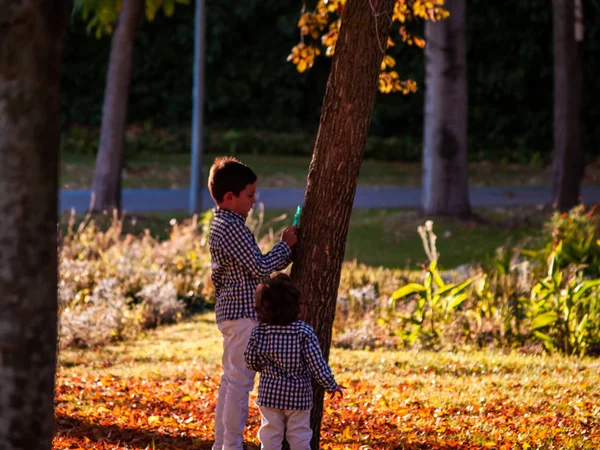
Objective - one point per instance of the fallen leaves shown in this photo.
(394, 400)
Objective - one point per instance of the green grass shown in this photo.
(389, 238)
(161, 388)
(172, 171)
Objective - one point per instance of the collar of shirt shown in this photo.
(219, 212)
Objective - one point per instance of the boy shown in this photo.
(238, 267)
(286, 352)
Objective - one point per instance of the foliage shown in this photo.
(160, 391)
(113, 284)
(321, 28)
(435, 299)
(249, 87)
(502, 307)
(578, 233)
(101, 15)
(565, 309)
(145, 139)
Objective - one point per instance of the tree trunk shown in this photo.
(336, 161)
(445, 177)
(106, 186)
(31, 40)
(568, 164)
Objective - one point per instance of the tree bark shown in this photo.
(445, 176)
(333, 172)
(568, 162)
(106, 186)
(31, 40)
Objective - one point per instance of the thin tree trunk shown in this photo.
(336, 161)
(445, 177)
(568, 163)
(106, 186)
(31, 40)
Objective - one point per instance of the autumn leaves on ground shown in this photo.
(159, 392)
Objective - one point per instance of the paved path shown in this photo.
(149, 200)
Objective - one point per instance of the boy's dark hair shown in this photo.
(277, 301)
(227, 174)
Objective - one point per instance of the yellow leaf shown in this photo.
(187, 398)
(347, 434)
(153, 419)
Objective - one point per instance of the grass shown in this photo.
(389, 238)
(159, 391)
(172, 171)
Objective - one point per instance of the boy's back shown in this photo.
(286, 352)
(287, 356)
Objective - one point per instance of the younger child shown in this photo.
(238, 267)
(286, 352)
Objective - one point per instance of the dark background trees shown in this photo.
(249, 85)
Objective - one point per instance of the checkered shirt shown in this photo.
(286, 356)
(238, 265)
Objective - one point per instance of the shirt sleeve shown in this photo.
(241, 245)
(252, 356)
(317, 365)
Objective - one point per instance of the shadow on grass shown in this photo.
(77, 430)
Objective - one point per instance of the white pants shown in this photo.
(236, 383)
(295, 422)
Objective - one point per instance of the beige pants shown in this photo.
(236, 383)
(295, 422)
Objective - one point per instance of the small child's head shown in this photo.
(277, 301)
(232, 185)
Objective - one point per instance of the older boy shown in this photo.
(238, 267)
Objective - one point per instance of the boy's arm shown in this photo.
(317, 365)
(241, 245)
(252, 356)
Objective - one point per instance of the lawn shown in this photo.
(172, 171)
(159, 391)
(389, 237)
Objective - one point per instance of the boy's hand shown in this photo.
(338, 390)
(290, 235)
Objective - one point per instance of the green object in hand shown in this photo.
(297, 216)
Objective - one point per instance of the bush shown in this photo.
(578, 232)
(114, 284)
(145, 139)
(504, 307)
(564, 309)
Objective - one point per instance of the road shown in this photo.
(172, 200)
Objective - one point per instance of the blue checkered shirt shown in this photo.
(286, 356)
(238, 265)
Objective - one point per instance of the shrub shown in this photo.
(145, 139)
(159, 304)
(579, 232)
(564, 309)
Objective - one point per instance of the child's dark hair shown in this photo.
(227, 174)
(277, 301)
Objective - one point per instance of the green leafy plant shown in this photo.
(435, 299)
(578, 231)
(564, 309)
(101, 15)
